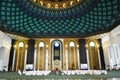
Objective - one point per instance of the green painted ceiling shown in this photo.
(25, 18)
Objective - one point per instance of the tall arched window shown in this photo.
(93, 55)
(72, 56)
(41, 56)
(19, 56)
(57, 54)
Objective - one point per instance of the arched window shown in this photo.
(56, 50)
(92, 44)
(41, 56)
(41, 44)
(21, 44)
(72, 56)
(19, 56)
(72, 44)
(56, 44)
(57, 54)
(93, 55)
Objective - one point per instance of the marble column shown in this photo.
(13, 60)
(11, 57)
(78, 57)
(25, 59)
(99, 59)
(1, 58)
(101, 53)
(35, 58)
(66, 58)
(30, 52)
(47, 57)
(82, 52)
(87, 54)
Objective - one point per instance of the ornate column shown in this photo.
(101, 54)
(12, 55)
(99, 58)
(30, 52)
(46, 57)
(13, 60)
(110, 57)
(52, 63)
(118, 55)
(25, 58)
(35, 59)
(1, 58)
(87, 54)
(115, 56)
(82, 52)
(78, 56)
(66, 49)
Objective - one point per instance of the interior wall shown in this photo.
(111, 47)
(5, 45)
(1, 57)
(80, 62)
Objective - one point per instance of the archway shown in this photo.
(93, 55)
(19, 56)
(41, 56)
(57, 54)
(72, 56)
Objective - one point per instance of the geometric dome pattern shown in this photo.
(90, 17)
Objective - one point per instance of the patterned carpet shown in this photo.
(15, 75)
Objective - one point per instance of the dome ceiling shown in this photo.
(83, 19)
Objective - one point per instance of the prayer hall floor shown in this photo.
(111, 75)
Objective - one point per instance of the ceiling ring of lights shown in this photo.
(56, 4)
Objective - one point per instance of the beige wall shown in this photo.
(110, 41)
(111, 47)
(5, 45)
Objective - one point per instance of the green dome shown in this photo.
(90, 17)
